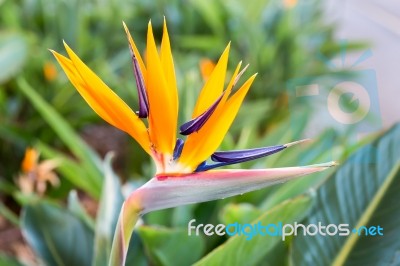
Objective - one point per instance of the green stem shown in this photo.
(8, 214)
(130, 213)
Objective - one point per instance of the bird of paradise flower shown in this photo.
(184, 174)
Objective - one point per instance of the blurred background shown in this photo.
(376, 22)
(326, 71)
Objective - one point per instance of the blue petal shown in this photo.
(143, 101)
(195, 124)
(205, 167)
(178, 149)
(239, 156)
(223, 158)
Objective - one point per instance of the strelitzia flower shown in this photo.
(184, 172)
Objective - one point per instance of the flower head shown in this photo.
(212, 116)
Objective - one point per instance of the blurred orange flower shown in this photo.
(206, 68)
(289, 3)
(35, 175)
(49, 71)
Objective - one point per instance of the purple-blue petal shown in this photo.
(222, 158)
(202, 167)
(240, 156)
(143, 101)
(205, 167)
(196, 124)
(178, 148)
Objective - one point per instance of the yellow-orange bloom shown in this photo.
(156, 78)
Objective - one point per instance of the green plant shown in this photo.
(237, 249)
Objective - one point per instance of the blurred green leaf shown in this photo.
(241, 213)
(8, 214)
(362, 192)
(246, 117)
(76, 208)
(110, 205)
(182, 214)
(210, 11)
(205, 43)
(240, 251)
(72, 170)
(136, 255)
(56, 235)
(10, 133)
(308, 153)
(283, 132)
(171, 247)
(25, 198)
(13, 53)
(6, 260)
(6, 187)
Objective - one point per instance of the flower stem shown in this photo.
(130, 213)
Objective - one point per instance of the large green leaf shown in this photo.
(364, 191)
(56, 235)
(13, 52)
(240, 251)
(107, 216)
(171, 247)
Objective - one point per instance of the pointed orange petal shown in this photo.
(167, 63)
(30, 160)
(195, 138)
(135, 50)
(79, 84)
(102, 99)
(214, 85)
(200, 145)
(163, 113)
(231, 83)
